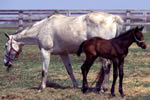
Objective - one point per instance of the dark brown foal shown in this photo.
(115, 50)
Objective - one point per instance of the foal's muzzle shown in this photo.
(143, 45)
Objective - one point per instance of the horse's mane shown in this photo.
(125, 33)
(29, 26)
(19, 31)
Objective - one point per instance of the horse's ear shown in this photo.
(141, 28)
(136, 28)
(6, 34)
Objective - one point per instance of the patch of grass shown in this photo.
(24, 78)
(140, 98)
(59, 99)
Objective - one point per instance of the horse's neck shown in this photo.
(25, 38)
(126, 40)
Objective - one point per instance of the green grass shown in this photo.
(24, 78)
(140, 98)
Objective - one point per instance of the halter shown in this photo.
(139, 41)
(12, 49)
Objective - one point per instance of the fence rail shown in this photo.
(21, 18)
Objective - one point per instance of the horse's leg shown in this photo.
(46, 59)
(104, 74)
(121, 74)
(67, 63)
(115, 75)
(85, 69)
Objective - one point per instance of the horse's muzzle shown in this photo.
(8, 68)
(143, 46)
(8, 65)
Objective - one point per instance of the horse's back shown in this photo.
(103, 25)
(67, 33)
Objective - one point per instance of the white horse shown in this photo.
(62, 35)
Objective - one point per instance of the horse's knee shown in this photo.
(115, 75)
(69, 69)
(121, 74)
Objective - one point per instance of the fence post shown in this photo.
(30, 18)
(20, 26)
(128, 21)
(68, 13)
(145, 21)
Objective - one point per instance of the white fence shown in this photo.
(21, 18)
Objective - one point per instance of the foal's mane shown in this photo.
(125, 33)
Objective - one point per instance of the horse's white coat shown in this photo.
(62, 35)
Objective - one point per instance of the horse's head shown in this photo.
(139, 38)
(12, 51)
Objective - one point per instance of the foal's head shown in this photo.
(139, 38)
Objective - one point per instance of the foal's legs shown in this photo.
(121, 74)
(100, 79)
(115, 75)
(46, 59)
(67, 63)
(85, 69)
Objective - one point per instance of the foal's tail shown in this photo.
(80, 49)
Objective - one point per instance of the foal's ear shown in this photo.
(6, 34)
(141, 28)
(136, 28)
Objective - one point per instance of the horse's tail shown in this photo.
(80, 49)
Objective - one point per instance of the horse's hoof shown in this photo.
(84, 90)
(122, 95)
(113, 95)
(102, 91)
(105, 89)
(98, 90)
(39, 90)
